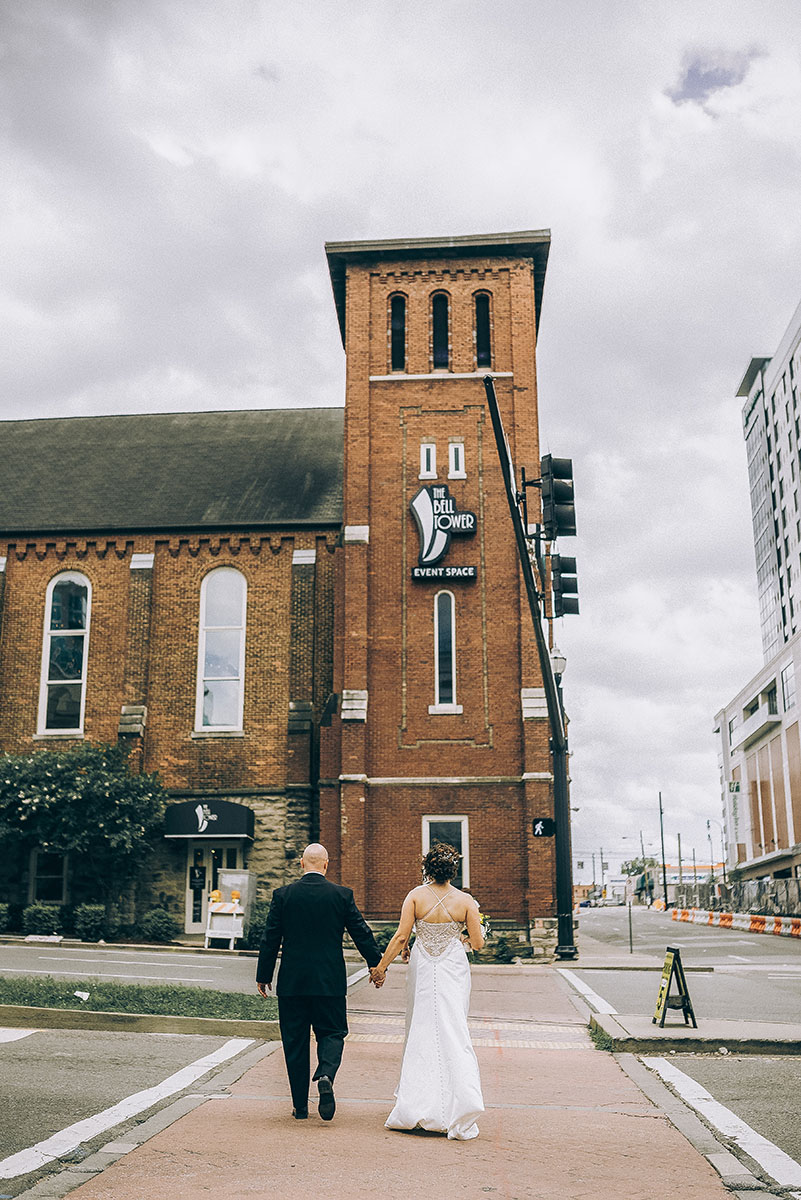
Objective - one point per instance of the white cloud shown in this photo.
(171, 173)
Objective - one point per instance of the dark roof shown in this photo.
(753, 369)
(224, 470)
(531, 243)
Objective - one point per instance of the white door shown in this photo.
(204, 858)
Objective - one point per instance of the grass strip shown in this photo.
(174, 1000)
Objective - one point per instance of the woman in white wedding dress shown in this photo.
(439, 1088)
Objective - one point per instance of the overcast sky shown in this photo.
(171, 171)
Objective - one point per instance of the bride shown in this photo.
(439, 1088)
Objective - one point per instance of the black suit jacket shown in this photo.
(306, 921)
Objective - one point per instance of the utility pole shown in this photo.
(678, 838)
(602, 870)
(642, 850)
(662, 835)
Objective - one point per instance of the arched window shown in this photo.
(66, 642)
(221, 652)
(444, 655)
(482, 330)
(397, 333)
(440, 332)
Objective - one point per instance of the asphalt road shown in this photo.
(50, 1079)
(204, 969)
(753, 977)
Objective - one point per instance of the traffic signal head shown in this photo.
(564, 585)
(558, 508)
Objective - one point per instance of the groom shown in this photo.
(307, 920)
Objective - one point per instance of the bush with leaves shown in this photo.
(258, 921)
(4, 922)
(90, 922)
(41, 919)
(157, 925)
(84, 802)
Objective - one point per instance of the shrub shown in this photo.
(42, 919)
(258, 920)
(15, 916)
(157, 925)
(4, 917)
(90, 922)
(384, 937)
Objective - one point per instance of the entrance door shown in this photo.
(203, 862)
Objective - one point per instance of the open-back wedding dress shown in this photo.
(439, 1088)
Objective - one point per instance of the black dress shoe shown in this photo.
(300, 1114)
(326, 1105)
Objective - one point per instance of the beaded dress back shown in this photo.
(436, 936)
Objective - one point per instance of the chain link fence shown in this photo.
(766, 897)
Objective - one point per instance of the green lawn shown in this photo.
(155, 999)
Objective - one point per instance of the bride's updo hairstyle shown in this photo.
(441, 863)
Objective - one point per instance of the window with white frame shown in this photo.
(456, 460)
(444, 655)
(221, 652)
(428, 460)
(47, 877)
(452, 831)
(62, 695)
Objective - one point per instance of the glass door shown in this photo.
(203, 862)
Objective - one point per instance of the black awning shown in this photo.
(209, 819)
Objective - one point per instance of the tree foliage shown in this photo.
(85, 802)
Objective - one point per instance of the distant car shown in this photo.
(585, 903)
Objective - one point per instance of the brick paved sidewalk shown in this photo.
(563, 1121)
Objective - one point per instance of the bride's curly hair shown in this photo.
(441, 863)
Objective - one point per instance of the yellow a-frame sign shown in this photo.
(670, 971)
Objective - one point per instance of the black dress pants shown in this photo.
(297, 1016)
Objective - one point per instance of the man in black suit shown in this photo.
(306, 921)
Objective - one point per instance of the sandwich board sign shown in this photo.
(670, 971)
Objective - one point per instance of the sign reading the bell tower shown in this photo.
(437, 520)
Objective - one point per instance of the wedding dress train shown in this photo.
(439, 1088)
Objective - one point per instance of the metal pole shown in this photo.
(566, 947)
(631, 939)
(662, 835)
(678, 837)
(711, 853)
(695, 872)
(642, 850)
(602, 870)
(723, 852)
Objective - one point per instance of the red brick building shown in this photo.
(338, 643)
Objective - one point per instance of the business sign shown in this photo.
(438, 520)
(673, 971)
(212, 819)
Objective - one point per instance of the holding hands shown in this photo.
(378, 975)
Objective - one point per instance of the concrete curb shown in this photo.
(10, 939)
(745, 922)
(693, 1041)
(18, 1016)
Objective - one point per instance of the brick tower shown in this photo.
(442, 731)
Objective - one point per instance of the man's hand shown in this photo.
(264, 989)
(377, 976)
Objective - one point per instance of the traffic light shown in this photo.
(564, 585)
(558, 508)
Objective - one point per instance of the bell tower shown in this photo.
(442, 730)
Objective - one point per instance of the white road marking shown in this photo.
(126, 962)
(598, 1003)
(787, 975)
(357, 975)
(783, 1169)
(68, 1139)
(14, 1035)
(740, 958)
(105, 975)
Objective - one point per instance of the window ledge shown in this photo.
(427, 475)
(59, 735)
(435, 709)
(217, 733)
(457, 475)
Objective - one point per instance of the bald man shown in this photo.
(306, 922)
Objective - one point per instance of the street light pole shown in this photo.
(566, 947)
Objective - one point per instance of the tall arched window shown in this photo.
(397, 333)
(221, 652)
(482, 330)
(62, 695)
(444, 655)
(440, 332)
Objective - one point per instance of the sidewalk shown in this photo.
(563, 1120)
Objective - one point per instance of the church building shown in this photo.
(310, 622)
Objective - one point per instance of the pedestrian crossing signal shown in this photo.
(544, 827)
